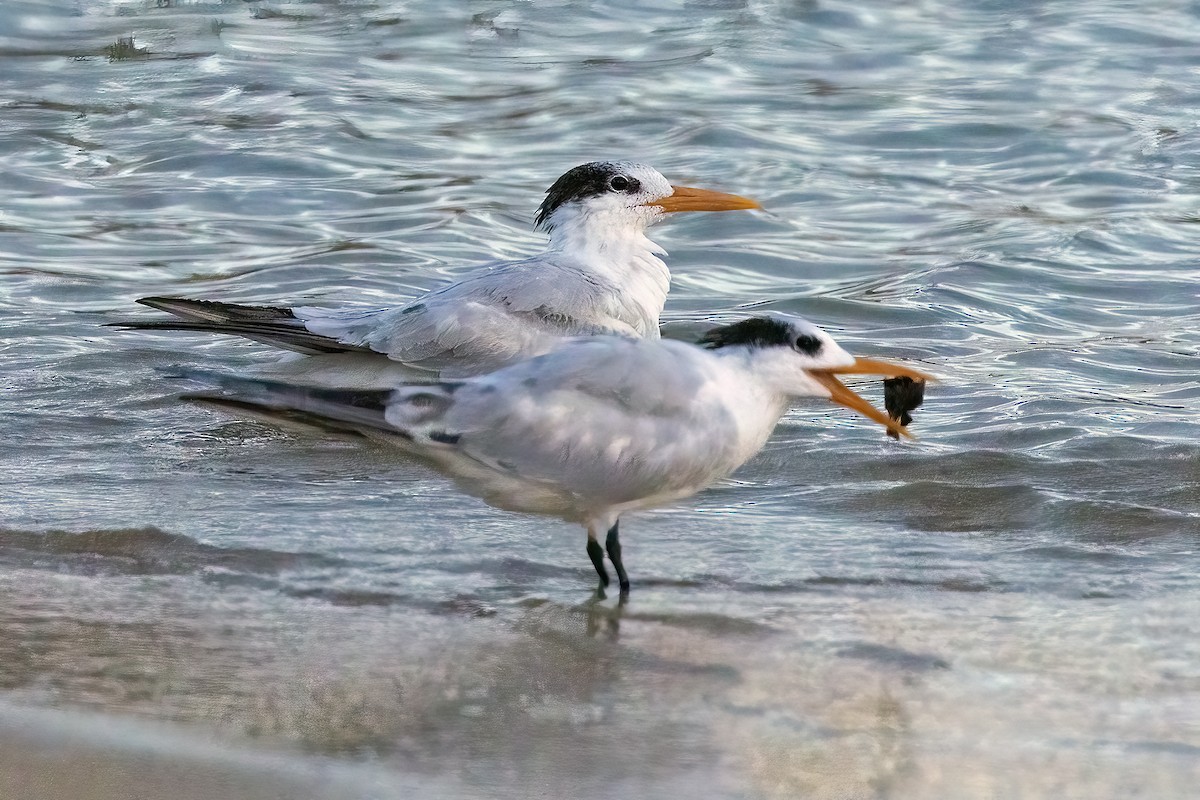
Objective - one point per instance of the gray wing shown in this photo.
(611, 420)
(498, 315)
(492, 318)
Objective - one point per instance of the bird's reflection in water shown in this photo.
(602, 619)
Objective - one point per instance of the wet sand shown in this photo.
(48, 754)
(860, 693)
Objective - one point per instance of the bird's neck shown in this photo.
(753, 386)
(750, 406)
(619, 252)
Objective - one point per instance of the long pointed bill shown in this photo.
(885, 369)
(686, 198)
(844, 396)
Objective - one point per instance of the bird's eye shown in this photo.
(619, 184)
(809, 345)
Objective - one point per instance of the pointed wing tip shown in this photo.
(155, 301)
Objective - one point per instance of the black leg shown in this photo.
(613, 543)
(596, 553)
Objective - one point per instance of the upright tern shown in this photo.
(599, 274)
(601, 426)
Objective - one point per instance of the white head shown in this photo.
(798, 359)
(622, 195)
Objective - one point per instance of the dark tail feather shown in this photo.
(215, 311)
(900, 396)
(271, 325)
(285, 336)
(281, 417)
(291, 418)
(334, 409)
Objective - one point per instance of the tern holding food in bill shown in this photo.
(600, 427)
(599, 273)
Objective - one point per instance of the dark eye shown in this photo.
(619, 184)
(809, 345)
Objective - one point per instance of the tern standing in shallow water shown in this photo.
(599, 274)
(599, 427)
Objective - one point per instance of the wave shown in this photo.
(146, 551)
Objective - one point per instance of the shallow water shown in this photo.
(1003, 193)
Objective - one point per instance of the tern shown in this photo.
(599, 274)
(600, 427)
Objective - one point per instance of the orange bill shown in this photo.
(686, 198)
(844, 396)
(884, 369)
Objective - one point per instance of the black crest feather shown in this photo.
(586, 180)
(756, 332)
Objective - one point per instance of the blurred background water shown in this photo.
(1006, 193)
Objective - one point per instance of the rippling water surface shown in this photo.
(1006, 193)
